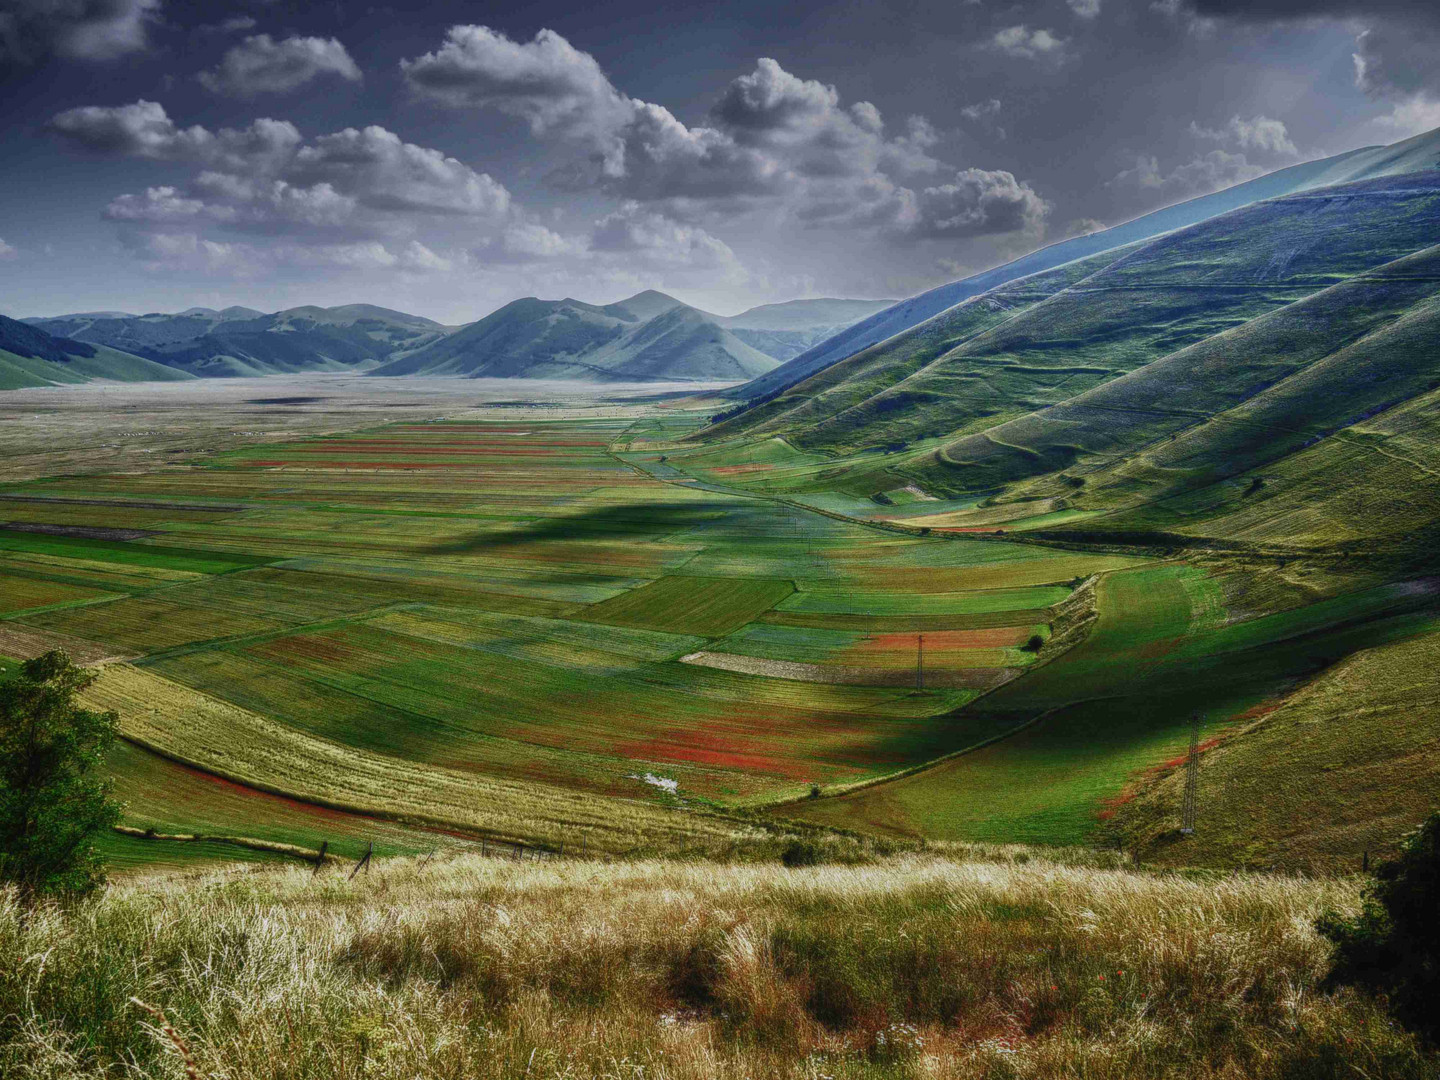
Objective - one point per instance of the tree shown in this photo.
(54, 798)
(1393, 946)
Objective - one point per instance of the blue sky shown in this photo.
(445, 158)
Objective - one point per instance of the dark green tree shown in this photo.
(1392, 946)
(54, 796)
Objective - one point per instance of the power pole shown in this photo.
(920, 662)
(1192, 779)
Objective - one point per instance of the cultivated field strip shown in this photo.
(244, 747)
(497, 603)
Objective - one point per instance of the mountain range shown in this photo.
(649, 337)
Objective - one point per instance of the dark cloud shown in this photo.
(1286, 10)
(31, 30)
(262, 65)
(1397, 53)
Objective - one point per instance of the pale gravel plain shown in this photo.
(107, 427)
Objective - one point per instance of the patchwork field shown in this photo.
(544, 625)
(481, 601)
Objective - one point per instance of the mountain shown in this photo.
(1269, 377)
(31, 357)
(649, 337)
(786, 330)
(242, 341)
(1412, 155)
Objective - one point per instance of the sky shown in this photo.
(444, 158)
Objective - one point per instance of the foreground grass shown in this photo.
(920, 965)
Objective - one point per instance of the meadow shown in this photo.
(472, 627)
(959, 962)
(566, 624)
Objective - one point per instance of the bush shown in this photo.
(802, 853)
(1393, 946)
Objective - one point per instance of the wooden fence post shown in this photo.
(320, 859)
(364, 863)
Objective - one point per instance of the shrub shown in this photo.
(802, 853)
(1393, 945)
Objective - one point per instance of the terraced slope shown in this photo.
(1416, 154)
(1195, 386)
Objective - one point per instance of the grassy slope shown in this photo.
(1120, 702)
(1123, 312)
(1343, 766)
(1017, 967)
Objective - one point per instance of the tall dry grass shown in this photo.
(916, 965)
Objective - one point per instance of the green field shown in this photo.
(533, 630)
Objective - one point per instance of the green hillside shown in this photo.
(240, 341)
(1158, 376)
(1417, 154)
(649, 337)
(31, 357)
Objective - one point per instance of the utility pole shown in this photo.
(1192, 779)
(920, 662)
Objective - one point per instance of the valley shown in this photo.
(428, 612)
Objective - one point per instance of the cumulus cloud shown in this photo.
(1414, 116)
(31, 30)
(262, 65)
(652, 238)
(774, 142)
(1022, 42)
(267, 175)
(1210, 172)
(1257, 133)
(531, 242)
(978, 202)
(143, 129)
(546, 82)
(1398, 60)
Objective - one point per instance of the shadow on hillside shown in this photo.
(642, 522)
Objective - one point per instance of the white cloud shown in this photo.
(1210, 172)
(546, 82)
(1085, 9)
(529, 241)
(261, 65)
(775, 142)
(267, 174)
(191, 252)
(1413, 116)
(8, 251)
(1022, 42)
(1257, 133)
(978, 202)
(31, 30)
(653, 238)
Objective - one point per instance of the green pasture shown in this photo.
(1121, 702)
